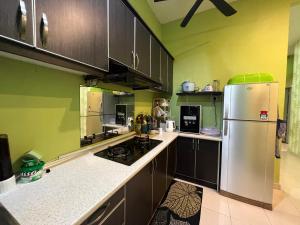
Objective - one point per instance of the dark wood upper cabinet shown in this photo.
(159, 178)
(155, 60)
(121, 33)
(74, 29)
(139, 197)
(16, 20)
(142, 48)
(164, 69)
(171, 166)
(207, 161)
(186, 157)
(170, 75)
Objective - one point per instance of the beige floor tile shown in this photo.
(210, 217)
(216, 202)
(246, 213)
(281, 218)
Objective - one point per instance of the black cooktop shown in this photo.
(129, 151)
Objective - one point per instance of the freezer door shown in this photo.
(248, 159)
(251, 102)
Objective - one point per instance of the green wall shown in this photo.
(39, 109)
(216, 47)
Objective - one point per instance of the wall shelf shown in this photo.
(203, 93)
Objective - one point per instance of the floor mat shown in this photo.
(181, 206)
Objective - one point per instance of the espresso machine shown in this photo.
(160, 112)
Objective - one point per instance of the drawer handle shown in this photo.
(105, 207)
(44, 29)
(22, 19)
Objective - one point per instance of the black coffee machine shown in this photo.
(190, 118)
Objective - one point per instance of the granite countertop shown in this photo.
(75, 189)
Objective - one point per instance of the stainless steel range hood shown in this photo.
(122, 75)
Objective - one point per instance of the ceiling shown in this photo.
(170, 10)
(294, 31)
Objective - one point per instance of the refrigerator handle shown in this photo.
(225, 127)
(226, 112)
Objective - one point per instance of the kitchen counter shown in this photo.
(75, 189)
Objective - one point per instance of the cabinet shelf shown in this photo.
(203, 93)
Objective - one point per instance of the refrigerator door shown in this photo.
(251, 102)
(91, 125)
(248, 159)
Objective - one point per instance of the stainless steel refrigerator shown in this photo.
(249, 135)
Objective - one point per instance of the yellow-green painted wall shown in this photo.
(215, 47)
(289, 71)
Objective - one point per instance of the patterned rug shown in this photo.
(181, 206)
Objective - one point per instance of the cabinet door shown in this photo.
(16, 20)
(185, 157)
(170, 75)
(164, 69)
(155, 60)
(121, 33)
(139, 197)
(117, 216)
(74, 29)
(159, 178)
(171, 162)
(207, 161)
(142, 48)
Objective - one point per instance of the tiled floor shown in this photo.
(219, 210)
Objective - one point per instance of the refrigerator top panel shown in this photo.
(254, 102)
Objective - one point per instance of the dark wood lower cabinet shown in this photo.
(199, 161)
(207, 161)
(159, 178)
(117, 217)
(139, 197)
(171, 166)
(185, 156)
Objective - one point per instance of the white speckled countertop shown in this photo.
(75, 189)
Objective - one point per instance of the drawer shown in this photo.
(106, 209)
(116, 217)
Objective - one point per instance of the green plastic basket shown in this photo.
(251, 78)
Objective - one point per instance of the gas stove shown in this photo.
(129, 151)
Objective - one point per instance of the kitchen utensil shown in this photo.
(170, 125)
(188, 86)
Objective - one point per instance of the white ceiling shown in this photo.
(170, 10)
(294, 30)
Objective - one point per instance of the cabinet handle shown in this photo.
(137, 61)
(100, 216)
(225, 127)
(22, 19)
(44, 29)
(132, 59)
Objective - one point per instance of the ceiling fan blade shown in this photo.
(159, 0)
(190, 14)
(224, 7)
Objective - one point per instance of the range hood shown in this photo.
(128, 77)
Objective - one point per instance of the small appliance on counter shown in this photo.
(160, 112)
(188, 87)
(7, 177)
(170, 125)
(190, 118)
(32, 168)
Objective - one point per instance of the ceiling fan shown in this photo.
(221, 5)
